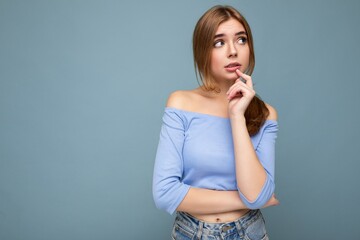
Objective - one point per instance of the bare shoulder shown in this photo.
(181, 99)
(272, 112)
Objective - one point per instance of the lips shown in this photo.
(235, 64)
(231, 67)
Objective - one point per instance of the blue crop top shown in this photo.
(196, 150)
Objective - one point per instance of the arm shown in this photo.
(204, 201)
(254, 170)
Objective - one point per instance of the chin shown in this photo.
(234, 77)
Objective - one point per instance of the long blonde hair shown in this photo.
(203, 37)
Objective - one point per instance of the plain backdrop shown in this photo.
(83, 85)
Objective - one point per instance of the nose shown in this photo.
(232, 50)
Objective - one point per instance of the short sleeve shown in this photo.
(265, 151)
(168, 188)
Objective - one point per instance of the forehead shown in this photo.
(230, 26)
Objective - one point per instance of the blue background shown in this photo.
(83, 85)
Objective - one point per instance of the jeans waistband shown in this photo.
(241, 223)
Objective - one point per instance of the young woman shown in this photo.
(215, 159)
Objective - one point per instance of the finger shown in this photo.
(242, 75)
(235, 89)
(240, 79)
(237, 82)
(246, 77)
(239, 90)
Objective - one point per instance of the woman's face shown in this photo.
(230, 51)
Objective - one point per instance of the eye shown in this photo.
(242, 40)
(219, 43)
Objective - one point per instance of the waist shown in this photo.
(221, 217)
(243, 221)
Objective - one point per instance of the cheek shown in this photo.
(215, 61)
(246, 53)
(246, 57)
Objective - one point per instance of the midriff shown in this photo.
(221, 217)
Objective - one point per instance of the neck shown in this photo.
(223, 86)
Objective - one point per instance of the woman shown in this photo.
(215, 159)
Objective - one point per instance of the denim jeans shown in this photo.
(251, 226)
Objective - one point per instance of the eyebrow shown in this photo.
(236, 34)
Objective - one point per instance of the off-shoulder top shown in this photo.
(196, 150)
